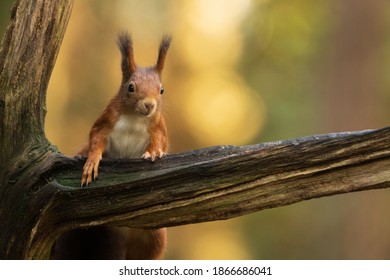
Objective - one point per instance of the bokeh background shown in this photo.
(242, 72)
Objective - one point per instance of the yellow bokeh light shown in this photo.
(218, 16)
(211, 37)
(220, 244)
(222, 110)
(219, 107)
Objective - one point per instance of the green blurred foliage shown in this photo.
(305, 57)
(5, 13)
(281, 42)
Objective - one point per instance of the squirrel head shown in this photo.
(141, 87)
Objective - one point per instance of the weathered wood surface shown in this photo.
(28, 52)
(223, 182)
(210, 184)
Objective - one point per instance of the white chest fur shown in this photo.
(129, 137)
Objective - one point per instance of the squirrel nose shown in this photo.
(149, 106)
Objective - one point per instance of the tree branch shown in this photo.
(216, 183)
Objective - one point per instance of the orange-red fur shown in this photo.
(110, 133)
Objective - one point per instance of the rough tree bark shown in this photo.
(28, 52)
(40, 193)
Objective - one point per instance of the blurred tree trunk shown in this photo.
(354, 66)
(353, 98)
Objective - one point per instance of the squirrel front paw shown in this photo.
(90, 171)
(153, 154)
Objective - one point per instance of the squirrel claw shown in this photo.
(152, 156)
(146, 155)
(90, 172)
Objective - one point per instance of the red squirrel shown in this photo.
(132, 125)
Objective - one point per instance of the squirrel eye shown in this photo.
(131, 87)
(161, 90)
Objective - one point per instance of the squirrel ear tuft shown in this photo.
(125, 44)
(162, 52)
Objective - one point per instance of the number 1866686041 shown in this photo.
(243, 270)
